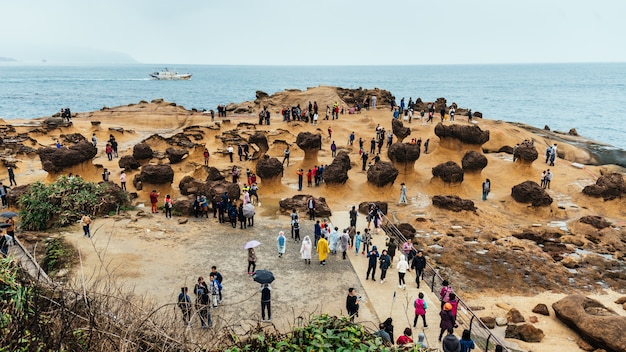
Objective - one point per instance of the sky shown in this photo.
(316, 32)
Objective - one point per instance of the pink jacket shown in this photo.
(420, 307)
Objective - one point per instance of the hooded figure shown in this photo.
(322, 250)
(305, 249)
(403, 267)
(282, 243)
(344, 240)
(334, 240)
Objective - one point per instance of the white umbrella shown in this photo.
(251, 244)
(248, 210)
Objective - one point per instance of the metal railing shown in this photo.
(483, 337)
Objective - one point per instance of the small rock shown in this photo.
(183, 220)
(533, 319)
(524, 332)
(514, 316)
(503, 306)
(541, 309)
(584, 345)
(500, 321)
(490, 322)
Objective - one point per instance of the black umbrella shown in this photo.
(263, 276)
(4, 225)
(8, 214)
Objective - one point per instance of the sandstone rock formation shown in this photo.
(128, 162)
(176, 155)
(142, 151)
(156, 174)
(467, 134)
(269, 169)
(407, 230)
(15, 193)
(526, 152)
(449, 172)
(598, 325)
(213, 174)
(310, 143)
(189, 186)
(609, 186)
(258, 142)
(382, 173)
(365, 206)
(56, 159)
(514, 316)
(453, 203)
(404, 155)
(473, 161)
(299, 202)
(596, 221)
(337, 171)
(399, 130)
(183, 206)
(531, 192)
(524, 332)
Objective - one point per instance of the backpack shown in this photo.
(445, 294)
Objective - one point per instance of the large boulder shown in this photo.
(599, 325)
(473, 161)
(310, 143)
(260, 141)
(56, 159)
(299, 202)
(407, 230)
(337, 171)
(176, 155)
(14, 194)
(269, 169)
(128, 162)
(524, 332)
(453, 203)
(467, 134)
(404, 155)
(526, 152)
(183, 206)
(190, 186)
(449, 172)
(364, 207)
(596, 221)
(399, 130)
(213, 174)
(156, 174)
(142, 151)
(382, 173)
(609, 186)
(531, 192)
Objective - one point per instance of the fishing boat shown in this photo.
(167, 75)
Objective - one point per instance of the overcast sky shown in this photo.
(316, 32)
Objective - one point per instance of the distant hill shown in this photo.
(64, 55)
(7, 59)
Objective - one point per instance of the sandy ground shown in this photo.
(157, 256)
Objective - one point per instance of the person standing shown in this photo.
(184, 303)
(444, 293)
(333, 149)
(344, 240)
(426, 146)
(286, 156)
(230, 150)
(251, 261)
(241, 217)
(11, 229)
(403, 267)
(486, 189)
(403, 199)
(352, 304)
(353, 216)
(553, 154)
(364, 157)
(203, 307)
(391, 248)
(240, 152)
(420, 309)
(3, 194)
(94, 140)
(282, 244)
(447, 320)
(206, 156)
(266, 300)
(450, 343)
(109, 151)
(385, 262)
(357, 242)
(548, 178)
(322, 250)
(311, 206)
(419, 263)
(300, 174)
(214, 289)
(123, 180)
(294, 219)
(296, 231)
(11, 176)
(105, 175)
(305, 250)
(154, 199)
(219, 279)
(86, 221)
(371, 264)
(168, 207)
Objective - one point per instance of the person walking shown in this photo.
(403, 199)
(305, 250)
(168, 204)
(420, 309)
(344, 241)
(266, 300)
(11, 176)
(357, 242)
(385, 262)
(391, 248)
(219, 279)
(251, 261)
(184, 303)
(123, 180)
(467, 344)
(371, 264)
(419, 263)
(281, 241)
(86, 222)
(352, 304)
(230, 151)
(353, 216)
(447, 320)
(451, 343)
(403, 267)
(322, 250)
(444, 293)
(286, 156)
(486, 189)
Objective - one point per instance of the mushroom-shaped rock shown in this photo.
(299, 202)
(156, 174)
(128, 162)
(404, 155)
(260, 140)
(382, 173)
(364, 207)
(142, 151)
(473, 161)
(52, 123)
(56, 159)
(399, 130)
(310, 143)
(337, 171)
(609, 186)
(269, 169)
(176, 155)
(526, 153)
(596, 221)
(453, 203)
(531, 192)
(449, 172)
(213, 174)
(467, 134)
(599, 325)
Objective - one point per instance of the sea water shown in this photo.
(588, 97)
